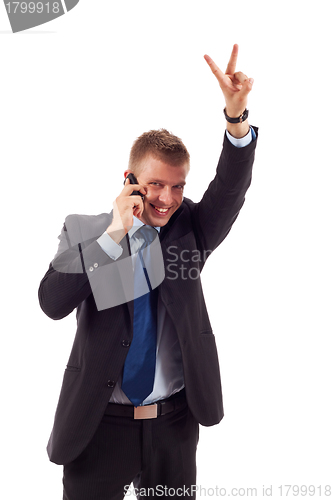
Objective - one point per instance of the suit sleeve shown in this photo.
(219, 207)
(66, 283)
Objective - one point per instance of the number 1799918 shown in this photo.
(33, 7)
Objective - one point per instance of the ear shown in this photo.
(128, 171)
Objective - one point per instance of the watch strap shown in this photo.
(239, 119)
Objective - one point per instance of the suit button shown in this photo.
(111, 383)
(126, 343)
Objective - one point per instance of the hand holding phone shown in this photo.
(124, 208)
(133, 180)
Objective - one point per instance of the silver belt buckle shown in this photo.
(148, 411)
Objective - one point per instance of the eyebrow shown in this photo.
(163, 182)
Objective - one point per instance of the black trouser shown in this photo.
(157, 453)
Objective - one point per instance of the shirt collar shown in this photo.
(136, 225)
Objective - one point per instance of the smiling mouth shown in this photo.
(160, 210)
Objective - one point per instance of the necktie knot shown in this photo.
(142, 238)
(146, 233)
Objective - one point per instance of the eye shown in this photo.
(154, 183)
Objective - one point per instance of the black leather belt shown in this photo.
(174, 402)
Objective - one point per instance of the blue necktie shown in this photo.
(139, 368)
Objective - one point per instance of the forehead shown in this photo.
(153, 168)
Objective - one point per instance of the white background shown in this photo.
(75, 93)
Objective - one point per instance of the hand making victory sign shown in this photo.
(235, 87)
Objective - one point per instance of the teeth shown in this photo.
(161, 209)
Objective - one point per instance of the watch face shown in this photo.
(242, 117)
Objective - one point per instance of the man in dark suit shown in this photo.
(143, 371)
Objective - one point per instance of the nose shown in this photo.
(165, 196)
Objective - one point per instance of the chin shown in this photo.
(155, 221)
(159, 223)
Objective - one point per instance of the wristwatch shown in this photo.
(240, 119)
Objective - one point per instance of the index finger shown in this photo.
(133, 189)
(231, 68)
(215, 69)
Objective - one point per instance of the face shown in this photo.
(164, 185)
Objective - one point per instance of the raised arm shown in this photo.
(236, 87)
(222, 201)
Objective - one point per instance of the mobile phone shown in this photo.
(133, 180)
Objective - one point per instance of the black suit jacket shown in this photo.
(101, 342)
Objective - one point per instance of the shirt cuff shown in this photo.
(243, 141)
(109, 246)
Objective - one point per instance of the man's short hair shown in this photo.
(162, 145)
